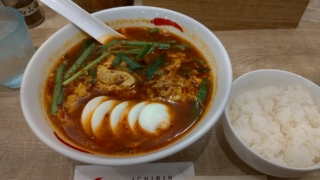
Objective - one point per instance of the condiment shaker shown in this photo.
(29, 9)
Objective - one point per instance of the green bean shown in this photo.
(141, 43)
(57, 88)
(144, 51)
(113, 42)
(79, 61)
(132, 64)
(87, 67)
(151, 71)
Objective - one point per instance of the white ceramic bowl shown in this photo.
(255, 80)
(32, 88)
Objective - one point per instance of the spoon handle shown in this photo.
(85, 21)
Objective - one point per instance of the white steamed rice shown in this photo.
(281, 124)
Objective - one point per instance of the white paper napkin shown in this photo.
(241, 177)
(151, 171)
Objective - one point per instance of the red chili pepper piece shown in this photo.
(161, 21)
(61, 140)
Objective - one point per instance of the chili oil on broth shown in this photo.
(69, 124)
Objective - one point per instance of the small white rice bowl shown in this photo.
(281, 124)
(272, 122)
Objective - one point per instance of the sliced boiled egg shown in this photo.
(91, 106)
(88, 112)
(116, 114)
(154, 116)
(134, 113)
(151, 117)
(99, 114)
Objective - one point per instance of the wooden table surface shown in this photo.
(24, 156)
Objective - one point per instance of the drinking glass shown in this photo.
(16, 48)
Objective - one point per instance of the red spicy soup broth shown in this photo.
(184, 75)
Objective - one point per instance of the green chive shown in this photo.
(113, 42)
(182, 46)
(131, 51)
(203, 69)
(199, 61)
(144, 51)
(154, 30)
(141, 43)
(200, 98)
(57, 89)
(132, 64)
(79, 61)
(154, 67)
(85, 44)
(82, 71)
(92, 73)
(117, 61)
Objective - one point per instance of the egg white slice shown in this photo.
(116, 114)
(134, 113)
(90, 107)
(100, 113)
(154, 116)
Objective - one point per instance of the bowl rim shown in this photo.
(143, 158)
(252, 73)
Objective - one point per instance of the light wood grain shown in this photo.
(239, 14)
(24, 156)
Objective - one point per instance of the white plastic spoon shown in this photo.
(85, 21)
